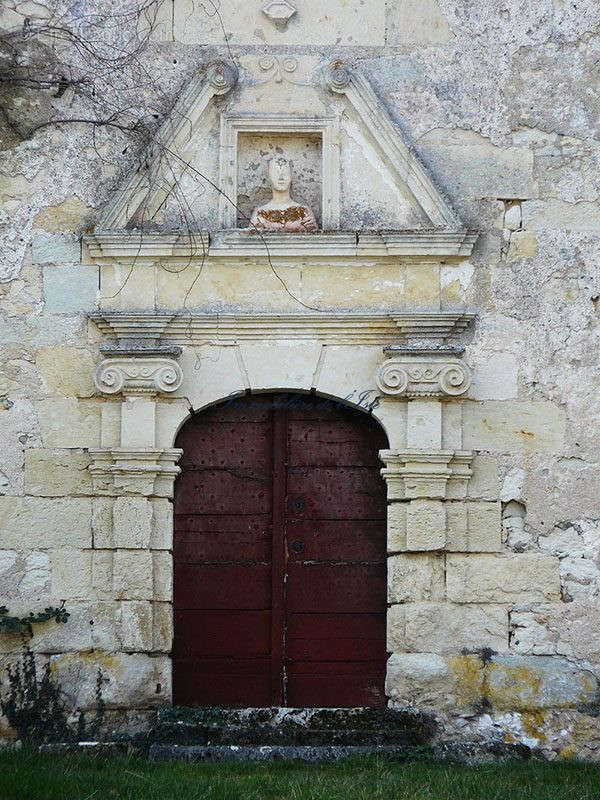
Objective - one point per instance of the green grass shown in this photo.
(27, 775)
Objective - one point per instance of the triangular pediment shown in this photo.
(205, 169)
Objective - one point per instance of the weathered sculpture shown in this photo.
(282, 213)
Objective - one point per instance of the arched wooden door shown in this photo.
(280, 556)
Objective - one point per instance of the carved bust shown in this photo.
(282, 213)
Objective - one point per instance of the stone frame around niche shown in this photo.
(328, 126)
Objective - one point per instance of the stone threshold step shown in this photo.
(183, 733)
(308, 754)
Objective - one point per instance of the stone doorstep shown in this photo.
(463, 752)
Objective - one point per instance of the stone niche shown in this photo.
(254, 151)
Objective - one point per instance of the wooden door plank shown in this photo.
(278, 559)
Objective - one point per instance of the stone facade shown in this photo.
(455, 288)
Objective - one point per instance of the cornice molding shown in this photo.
(118, 471)
(353, 247)
(433, 474)
(174, 135)
(147, 329)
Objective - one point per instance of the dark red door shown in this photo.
(280, 556)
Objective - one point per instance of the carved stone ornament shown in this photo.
(279, 12)
(128, 376)
(434, 474)
(282, 213)
(416, 377)
(147, 472)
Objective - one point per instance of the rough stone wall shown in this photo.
(498, 98)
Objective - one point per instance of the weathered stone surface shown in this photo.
(45, 522)
(162, 629)
(425, 525)
(56, 248)
(72, 574)
(23, 575)
(135, 681)
(132, 521)
(427, 679)
(70, 290)
(416, 22)
(448, 628)
(530, 682)
(514, 427)
(502, 578)
(163, 575)
(66, 371)
(136, 626)
(56, 473)
(132, 575)
(396, 527)
(474, 527)
(415, 577)
(67, 422)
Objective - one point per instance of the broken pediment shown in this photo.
(207, 169)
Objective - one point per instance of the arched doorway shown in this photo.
(280, 556)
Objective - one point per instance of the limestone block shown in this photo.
(280, 365)
(125, 287)
(24, 575)
(136, 625)
(452, 425)
(132, 575)
(56, 473)
(392, 417)
(494, 375)
(138, 422)
(512, 486)
(396, 628)
(162, 637)
(33, 522)
(102, 573)
(161, 537)
(102, 522)
(67, 370)
(485, 481)
(531, 682)
(132, 521)
(70, 290)
(56, 248)
(67, 422)
(223, 376)
(518, 577)
(557, 214)
(424, 424)
(110, 420)
(425, 525)
(341, 22)
(428, 679)
(342, 372)
(396, 527)
(474, 167)
(163, 575)
(415, 577)
(129, 680)
(422, 287)
(514, 427)
(171, 414)
(484, 532)
(416, 22)
(72, 574)
(457, 526)
(449, 628)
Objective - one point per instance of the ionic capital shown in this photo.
(148, 375)
(417, 376)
